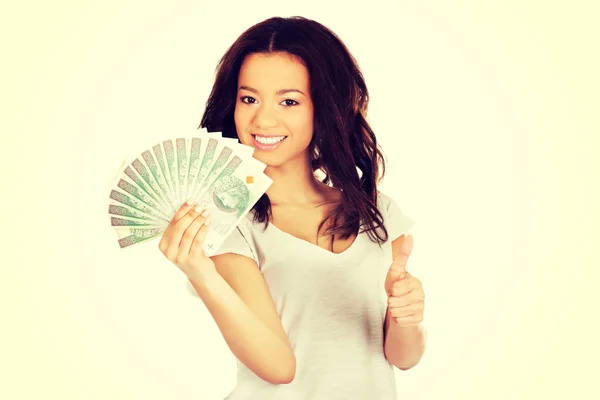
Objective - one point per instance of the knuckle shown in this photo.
(183, 222)
(180, 231)
(198, 240)
(177, 230)
(173, 223)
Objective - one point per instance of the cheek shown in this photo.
(241, 119)
(238, 116)
(302, 125)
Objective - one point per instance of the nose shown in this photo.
(265, 117)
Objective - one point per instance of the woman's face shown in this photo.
(274, 109)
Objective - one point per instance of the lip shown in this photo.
(267, 136)
(260, 146)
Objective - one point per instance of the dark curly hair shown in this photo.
(343, 148)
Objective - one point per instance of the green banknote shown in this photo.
(118, 209)
(218, 173)
(208, 158)
(229, 198)
(131, 235)
(171, 166)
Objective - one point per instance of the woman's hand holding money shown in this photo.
(183, 239)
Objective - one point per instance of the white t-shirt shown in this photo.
(332, 307)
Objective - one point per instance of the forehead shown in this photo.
(273, 71)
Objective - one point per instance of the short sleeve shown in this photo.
(236, 243)
(396, 222)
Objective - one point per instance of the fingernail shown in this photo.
(189, 202)
(198, 209)
(205, 213)
(207, 222)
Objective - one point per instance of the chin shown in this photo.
(269, 159)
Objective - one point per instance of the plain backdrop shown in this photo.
(488, 115)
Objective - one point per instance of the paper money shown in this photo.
(229, 198)
(129, 236)
(218, 173)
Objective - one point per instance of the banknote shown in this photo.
(219, 173)
(169, 150)
(229, 198)
(131, 235)
(134, 204)
(208, 157)
(198, 146)
(118, 209)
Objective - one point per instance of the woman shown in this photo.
(304, 291)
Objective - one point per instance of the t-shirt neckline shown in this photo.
(308, 244)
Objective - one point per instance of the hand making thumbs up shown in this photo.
(405, 292)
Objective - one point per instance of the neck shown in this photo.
(294, 183)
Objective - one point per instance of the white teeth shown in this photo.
(271, 140)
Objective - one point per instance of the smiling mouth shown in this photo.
(268, 140)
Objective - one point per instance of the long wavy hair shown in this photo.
(343, 149)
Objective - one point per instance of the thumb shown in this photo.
(397, 270)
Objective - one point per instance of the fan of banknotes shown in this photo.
(219, 174)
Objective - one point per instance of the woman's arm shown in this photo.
(404, 345)
(239, 301)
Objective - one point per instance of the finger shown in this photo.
(184, 222)
(190, 233)
(400, 301)
(165, 240)
(197, 250)
(402, 287)
(411, 320)
(183, 210)
(395, 273)
(406, 311)
(177, 231)
(405, 299)
(401, 257)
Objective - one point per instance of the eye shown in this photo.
(287, 101)
(247, 97)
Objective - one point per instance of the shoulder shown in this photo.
(248, 227)
(395, 220)
(383, 200)
(385, 203)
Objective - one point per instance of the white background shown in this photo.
(486, 111)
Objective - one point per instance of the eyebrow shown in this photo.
(279, 92)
